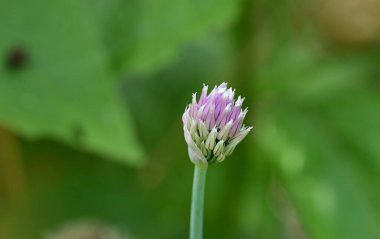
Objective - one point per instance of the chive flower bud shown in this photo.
(213, 125)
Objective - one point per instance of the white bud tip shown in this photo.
(239, 101)
(205, 88)
(194, 98)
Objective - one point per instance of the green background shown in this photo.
(91, 130)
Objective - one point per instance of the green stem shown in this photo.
(196, 219)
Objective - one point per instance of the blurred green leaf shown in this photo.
(63, 88)
(356, 116)
(259, 214)
(143, 36)
(321, 177)
(66, 185)
(301, 72)
(321, 132)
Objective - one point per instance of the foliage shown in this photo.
(110, 80)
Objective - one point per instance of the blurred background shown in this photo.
(92, 94)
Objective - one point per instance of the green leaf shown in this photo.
(321, 133)
(145, 35)
(63, 88)
(321, 177)
(356, 116)
(299, 73)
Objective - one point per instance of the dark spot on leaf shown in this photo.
(17, 58)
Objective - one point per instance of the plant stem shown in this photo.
(196, 219)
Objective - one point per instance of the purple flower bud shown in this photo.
(213, 126)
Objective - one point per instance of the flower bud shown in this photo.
(213, 126)
(219, 148)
